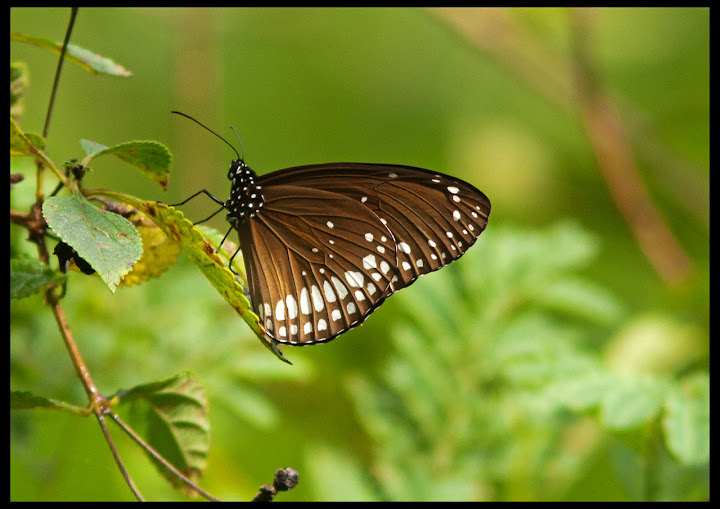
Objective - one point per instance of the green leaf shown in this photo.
(29, 276)
(580, 298)
(91, 148)
(583, 392)
(687, 420)
(86, 59)
(20, 145)
(174, 416)
(202, 253)
(159, 252)
(108, 242)
(25, 400)
(28, 144)
(228, 247)
(516, 263)
(632, 402)
(150, 157)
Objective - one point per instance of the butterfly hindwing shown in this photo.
(318, 263)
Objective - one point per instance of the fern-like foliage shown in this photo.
(499, 389)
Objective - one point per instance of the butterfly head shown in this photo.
(245, 196)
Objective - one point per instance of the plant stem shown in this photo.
(58, 70)
(99, 405)
(616, 161)
(39, 163)
(156, 455)
(121, 466)
(96, 400)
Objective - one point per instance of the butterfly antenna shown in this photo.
(207, 128)
(242, 150)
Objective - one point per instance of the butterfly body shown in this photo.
(324, 245)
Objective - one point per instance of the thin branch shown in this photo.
(494, 33)
(127, 429)
(617, 163)
(98, 404)
(96, 400)
(121, 466)
(42, 160)
(58, 70)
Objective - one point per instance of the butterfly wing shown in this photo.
(434, 218)
(318, 263)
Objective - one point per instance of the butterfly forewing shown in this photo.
(318, 263)
(434, 218)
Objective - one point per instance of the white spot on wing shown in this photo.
(342, 290)
(291, 307)
(322, 324)
(280, 311)
(317, 299)
(304, 301)
(354, 279)
(329, 294)
(369, 262)
(404, 247)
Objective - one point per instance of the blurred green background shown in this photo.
(485, 95)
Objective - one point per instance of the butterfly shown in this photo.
(325, 244)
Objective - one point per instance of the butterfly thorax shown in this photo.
(245, 197)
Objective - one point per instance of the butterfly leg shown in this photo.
(234, 254)
(205, 192)
(210, 216)
(231, 260)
